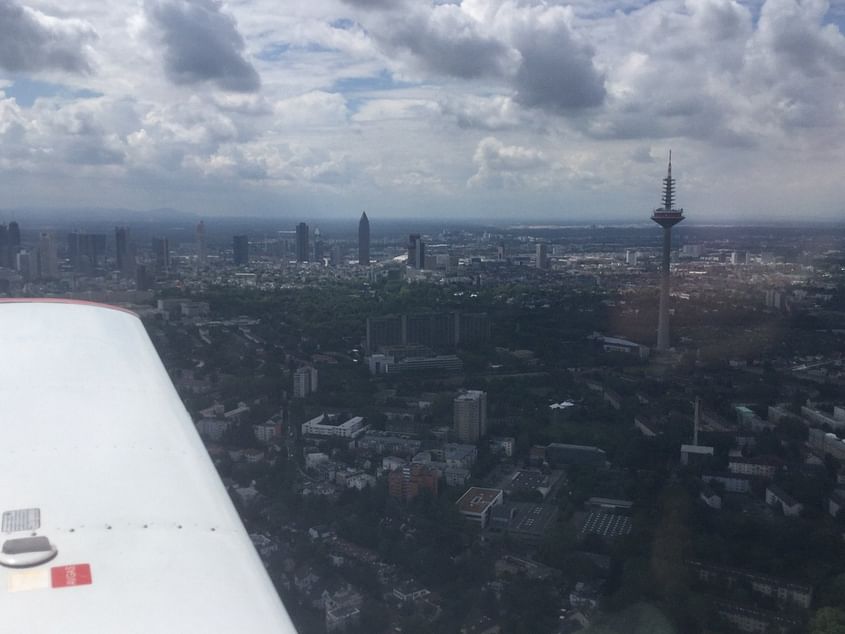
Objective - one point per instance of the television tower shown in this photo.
(667, 217)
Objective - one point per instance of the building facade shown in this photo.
(470, 416)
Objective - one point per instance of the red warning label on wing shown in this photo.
(73, 575)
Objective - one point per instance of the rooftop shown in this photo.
(476, 499)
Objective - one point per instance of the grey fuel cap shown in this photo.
(23, 552)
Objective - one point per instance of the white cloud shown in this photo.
(331, 101)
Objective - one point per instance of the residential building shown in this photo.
(470, 416)
(304, 381)
(782, 590)
(408, 481)
(409, 590)
(776, 496)
(756, 467)
(457, 455)
(733, 483)
(503, 444)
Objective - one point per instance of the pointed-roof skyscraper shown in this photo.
(364, 240)
(667, 217)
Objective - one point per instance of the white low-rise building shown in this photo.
(325, 425)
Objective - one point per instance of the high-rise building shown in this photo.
(86, 250)
(667, 217)
(24, 264)
(161, 251)
(304, 382)
(500, 252)
(10, 244)
(542, 256)
(318, 246)
(240, 250)
(124, 252)
(202, 248)
(336, 255)
(470, 415)
(416, 251)
(14, 238)
(143, 279)
(364, 240)
(302, 242)
(4, 247)
(47, 261)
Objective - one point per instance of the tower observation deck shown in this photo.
(667, 217)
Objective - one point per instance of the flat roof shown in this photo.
(477, 500)
(699, 449)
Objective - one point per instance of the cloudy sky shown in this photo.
(479, 108)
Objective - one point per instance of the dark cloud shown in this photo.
(446, 41)
(799, 40)
(30, 43)
(202, 44)
(557, 73)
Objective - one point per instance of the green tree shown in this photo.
(828, 621)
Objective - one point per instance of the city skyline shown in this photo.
(430, 110)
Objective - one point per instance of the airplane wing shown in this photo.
(113, 516)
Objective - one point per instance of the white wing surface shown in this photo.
(101, 463)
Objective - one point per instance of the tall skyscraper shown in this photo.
(14, 237)
(48, 261)
(318, 246)
(202, 249)
(470, 415)
(10, 244)
(121, 248)
(302, 242)
(416, 251)
(86, 250)
(542, 256)
(667, 217)
(161, 251)
(240, 250)
(364, 240)
(4, 247)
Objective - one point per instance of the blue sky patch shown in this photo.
(25, 91)
(383, 81)
(343, 23)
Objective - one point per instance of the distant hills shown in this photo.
(95, 215)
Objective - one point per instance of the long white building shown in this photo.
(326, 425)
